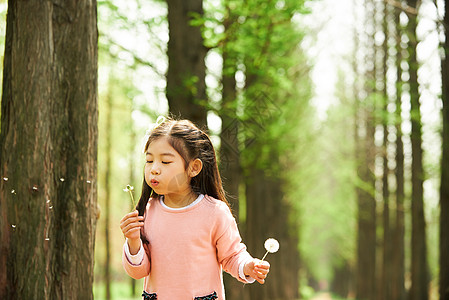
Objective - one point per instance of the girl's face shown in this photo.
(165, 171)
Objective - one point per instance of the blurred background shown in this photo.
(326, 117)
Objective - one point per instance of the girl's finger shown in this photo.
(132, 225)
(132, 233)
(126, 222)
(131, 214)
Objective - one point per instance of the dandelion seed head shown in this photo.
(271, 245)
(128, 188)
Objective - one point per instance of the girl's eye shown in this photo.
(166, 162)
(149, 161)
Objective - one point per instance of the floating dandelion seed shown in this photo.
(88, 181)
(47, 239)
(271, 245)
(13, 191)
(130, 189)
(48, 200)
(62, 179)
(5, 178)
(35, 188)
(13, 226)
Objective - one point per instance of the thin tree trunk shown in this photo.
(186, 87)
(267, 216)
(229, 147)
(48, 145)
(385, 292)
(444, 188)
(366, 220)
(398, 288)
(107, 187)
(419, 268)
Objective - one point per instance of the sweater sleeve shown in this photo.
(136, 271)
(231, 252)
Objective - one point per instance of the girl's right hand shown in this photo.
(130, 226)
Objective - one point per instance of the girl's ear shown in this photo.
(195, 167)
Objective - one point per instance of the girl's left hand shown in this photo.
(257, 269)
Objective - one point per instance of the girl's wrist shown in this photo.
(134, 246)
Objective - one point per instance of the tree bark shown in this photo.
(385, 291)
(230, 169)
(444, 187)
(267, 216)
(366, 152)
(48, 150)
(107, 189)
(186, 87)
(397, 287)
(419, 268)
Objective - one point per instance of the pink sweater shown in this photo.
(188, 249)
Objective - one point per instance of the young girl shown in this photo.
(183, 233)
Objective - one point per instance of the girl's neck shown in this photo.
(179, 200)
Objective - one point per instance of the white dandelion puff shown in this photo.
(271, 245)
(5, 178)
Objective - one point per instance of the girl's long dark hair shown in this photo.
(191, 143)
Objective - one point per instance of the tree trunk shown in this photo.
(186, 87)
(419, 269)
(267, 216)
(366, 220)
(48, 145)
(397, 286)
(107, 188)
(444, 188)
(229, 147)
(385, 291)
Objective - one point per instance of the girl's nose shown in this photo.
(155, 170)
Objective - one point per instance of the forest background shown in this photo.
(327, 117)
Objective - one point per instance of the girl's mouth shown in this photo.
(154, 182)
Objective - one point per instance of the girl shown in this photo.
(183, 233)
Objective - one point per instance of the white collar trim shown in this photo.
(200, 197)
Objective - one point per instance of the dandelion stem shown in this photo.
(266, 253)
(132, 198)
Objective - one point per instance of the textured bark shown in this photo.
(48, 150)
(365, 155)
(268, 216)
(107, 188)
(386, 275)
(397, 286)
(186, 87)
(229, 147)
(444, 188)
(419, 268)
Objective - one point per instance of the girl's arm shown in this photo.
(131, 225)
(232, 253)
